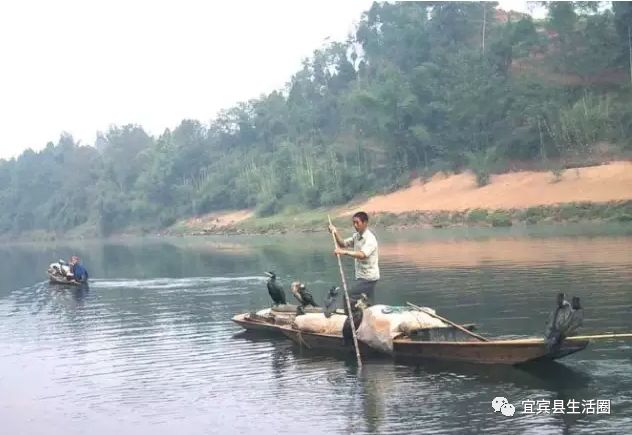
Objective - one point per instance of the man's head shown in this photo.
(74, 259)
(360, 221)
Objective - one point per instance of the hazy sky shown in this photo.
(79, 66)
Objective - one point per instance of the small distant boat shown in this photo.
(65, 281)
(58, 274)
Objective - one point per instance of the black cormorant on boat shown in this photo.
(577, 317)
(330, 301)
(564, 321)
(302, 295)
(275, 289)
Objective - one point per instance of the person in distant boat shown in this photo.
(77, 271)
(365, 253)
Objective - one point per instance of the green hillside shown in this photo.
(419, 87)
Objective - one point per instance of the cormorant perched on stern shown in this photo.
(577, 317)
(563, 321)
(275, 289)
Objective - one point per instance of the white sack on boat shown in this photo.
(378, 328)
(279, 318)
(265, 313)
(284, 308)
(318, 323)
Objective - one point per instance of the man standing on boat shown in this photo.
(365, 253)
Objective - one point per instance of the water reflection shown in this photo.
(71, 297)
(552, 376)
(512, 251)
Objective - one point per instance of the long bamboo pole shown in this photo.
(449, 322)
(597, 337)
(344, 286)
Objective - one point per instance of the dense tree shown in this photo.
(420, 87)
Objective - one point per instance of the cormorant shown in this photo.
(330, 301)
(275, 289)
(563, 321)
(577, 317)
(301, 294)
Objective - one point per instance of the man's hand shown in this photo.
(333, 229)
(339, 251)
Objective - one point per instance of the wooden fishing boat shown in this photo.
(451, 343)
(462, 348)
(435, 344)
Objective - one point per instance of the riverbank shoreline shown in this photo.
(316, 221)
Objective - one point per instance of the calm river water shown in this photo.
(150, 348)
